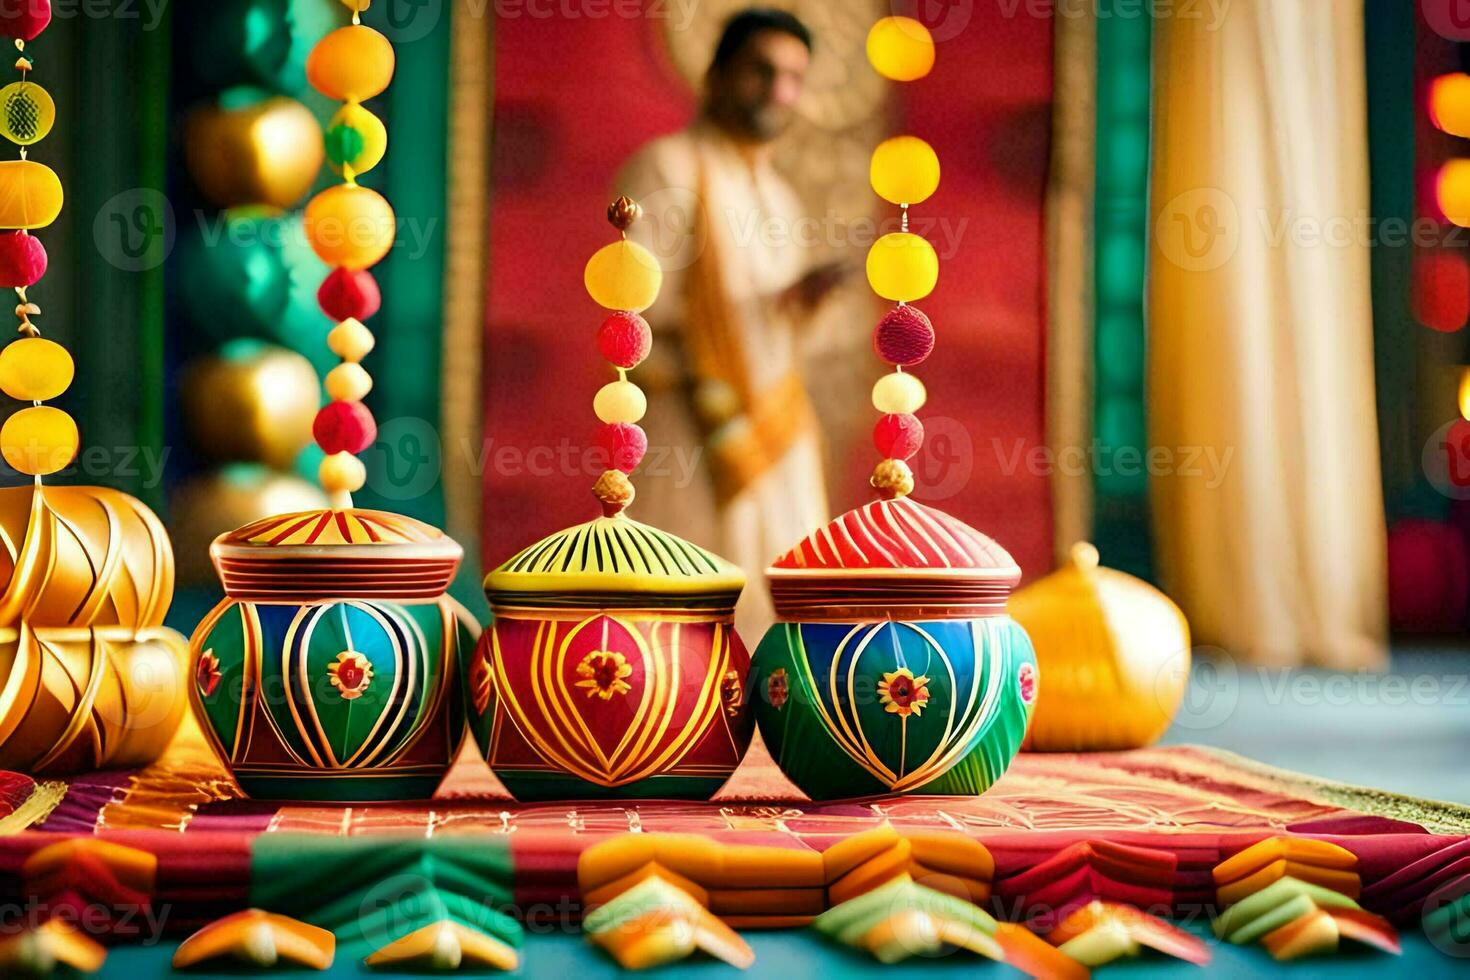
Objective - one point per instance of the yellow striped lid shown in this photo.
(616, 555)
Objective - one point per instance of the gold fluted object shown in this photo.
(89, 678)
(1113, 653)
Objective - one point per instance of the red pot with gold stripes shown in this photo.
(611, 667)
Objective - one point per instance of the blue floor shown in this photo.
(1407, 730)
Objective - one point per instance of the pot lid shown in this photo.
(617, 561)
(893, 557)
(329, 553)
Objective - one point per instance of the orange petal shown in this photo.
(52, 943)
(259, 938)
(445, 945)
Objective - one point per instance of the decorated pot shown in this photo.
(893, 667)
(329, 670)
(92, 679)
(1116, 655)
(611, 667)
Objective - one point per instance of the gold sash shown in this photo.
(750, 434)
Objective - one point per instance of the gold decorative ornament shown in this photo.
(1113, 653)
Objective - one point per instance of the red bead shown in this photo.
(904, 336)
(344, 427)
(898, 436)
(24, 19)
(624, 443)
(349, 293)
(22, 257)
(624, 339)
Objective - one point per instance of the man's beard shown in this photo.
(768, 122)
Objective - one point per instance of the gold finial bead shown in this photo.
(623, 212)
(892, 478)
(1084, 555)
(614, 490)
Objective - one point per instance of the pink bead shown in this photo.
(624, 443)
(22, 259)
(898, 436)
(904, 336)
(624, 339)
(344, 427)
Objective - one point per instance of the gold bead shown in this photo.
(348, 383)
(341, 472)
(892, 478)
(620, 401)
(350, 340)
(899, 393)
(614, 490)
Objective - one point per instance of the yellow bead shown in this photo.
(901, 48)
(35, 369)
(356, 139)
(350, 340)
(1449, 103)
(30, 194)
(350, 226)
(39, 440)
(27, 113)
(351, 64)
(899, 393)
(623, 276)
(342, 472)
(904, 170)
(620, 401)
(348, 383)
(903, 267)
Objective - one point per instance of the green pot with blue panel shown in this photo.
(329, 671)
(893, 667)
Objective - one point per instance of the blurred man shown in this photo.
(738, 291)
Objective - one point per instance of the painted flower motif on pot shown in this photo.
(903, 694)
(350, 674)
(1026, 683)
(777, 688)
(604, 673)
(206, 673)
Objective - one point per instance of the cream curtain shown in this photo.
(1267, 502)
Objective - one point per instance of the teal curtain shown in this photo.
(1120, 215)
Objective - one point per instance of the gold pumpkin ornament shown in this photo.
(268, 152)
(88, 677)
(30, 194)
(1113, 655)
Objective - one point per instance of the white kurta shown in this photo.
(706, 197)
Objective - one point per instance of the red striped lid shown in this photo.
(893, 557)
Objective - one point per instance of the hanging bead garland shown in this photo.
(40, 439)
(623, 277)
(351, 228)
(902, 266)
